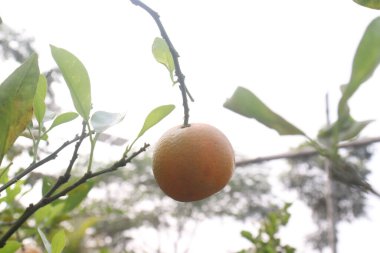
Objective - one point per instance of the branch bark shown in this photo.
(33, 166)
(181, 77)
(50, 197)
(306, 152)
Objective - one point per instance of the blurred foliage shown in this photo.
(15, 45)
(267, 240)
(308, 177)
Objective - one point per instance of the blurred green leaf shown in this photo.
(13, 191)
(101, 120)
(348, 129)
(155, 116)
(39, 99)
(366, 59)
(16, 102)
(48, 214)
(45, 241)
(266, 240)
(11, 247)
(4, 174)
(76, 196)
(77, 79)
(42, 214)
(162, 54)
(58, 242)
(62, 119)
(247, 235)
(245, 103)
(373, 4)
(47, 183)
(75, 238)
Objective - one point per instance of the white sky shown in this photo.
(290, 53)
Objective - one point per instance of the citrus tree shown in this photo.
(23, 113)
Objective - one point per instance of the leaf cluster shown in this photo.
(350, 182)
(267, 240)
(23, 113)
(345, 128)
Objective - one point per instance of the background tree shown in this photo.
(164, 221)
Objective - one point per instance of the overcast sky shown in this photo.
(290, 53)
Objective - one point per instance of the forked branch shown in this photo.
(181, 77)
(51, 196)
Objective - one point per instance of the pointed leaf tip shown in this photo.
(77, 80)
(162, 54)
(62, 119)
(16, 102)
(245, 103)
(45, 241)
(155, 116)
(366, 60)
(58, 242)
(39, 99)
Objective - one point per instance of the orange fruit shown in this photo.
(29, 249)
(192, 163)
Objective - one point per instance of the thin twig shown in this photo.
(33, 166)
(32, 208)
(330, 199)
(306, 152)
(181, 77)
(65, 178)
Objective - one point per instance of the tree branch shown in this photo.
(65, 178)
(32, 208)
(306, 152)
(181, 77)
(33, 166)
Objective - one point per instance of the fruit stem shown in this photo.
(181, 77)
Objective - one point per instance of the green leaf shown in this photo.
(39, 99)
(4, 174)
(161, 53)
(47, 183)
(16, 102)
(45, 241)
(58, 242)
(77, 79)
(101, 120)
(366, 59)
(13, 191)
(63, 118)
(155, 116)
(76, 196)
(354, 130)
(247, 235)
(348, 129)
(11, 247)
(373, 4)
(76, 237)
(245, 103)
(49, 213)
